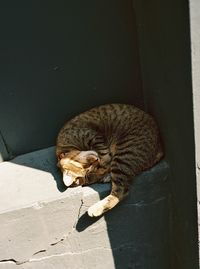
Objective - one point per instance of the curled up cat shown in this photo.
(110, 143)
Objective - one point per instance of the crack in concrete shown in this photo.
(31, 260)
(79, 211)
(122, 246)
(40, 251)
(61, 240)
(66, 254)
(34, 259)
(13, 261)
(8, 261)
(78, 215)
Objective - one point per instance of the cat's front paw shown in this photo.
(96, 209)
(102, 206)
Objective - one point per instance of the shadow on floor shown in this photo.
(138, 228)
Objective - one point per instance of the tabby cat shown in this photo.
(113, 142)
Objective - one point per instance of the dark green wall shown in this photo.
(59, 58)
(164, 42)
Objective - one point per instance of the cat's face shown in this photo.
(76, 165)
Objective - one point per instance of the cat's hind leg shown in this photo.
(122, 173)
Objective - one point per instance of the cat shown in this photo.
(113, 142)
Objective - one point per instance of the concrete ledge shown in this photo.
(43, 225)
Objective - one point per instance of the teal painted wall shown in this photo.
(59, 58)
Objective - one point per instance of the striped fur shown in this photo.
(115, 141)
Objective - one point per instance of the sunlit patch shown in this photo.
(68, 161)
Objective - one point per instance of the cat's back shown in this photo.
(117, 124)
(112, 117)
(121, 118)
(119, 112)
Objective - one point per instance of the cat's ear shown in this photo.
(61, 155)
(91, 158)
(88, 157)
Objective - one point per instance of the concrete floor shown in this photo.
(45, 225)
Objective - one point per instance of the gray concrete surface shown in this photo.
(44, 225)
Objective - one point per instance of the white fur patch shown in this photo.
(102, 206)
(96, 209)
(68, 180)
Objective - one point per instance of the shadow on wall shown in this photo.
(138, 228)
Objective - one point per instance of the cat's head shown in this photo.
(75, 165)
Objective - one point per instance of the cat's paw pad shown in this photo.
(96, 209)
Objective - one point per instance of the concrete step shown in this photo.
(45, 225)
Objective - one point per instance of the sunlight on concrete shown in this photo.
(43, 225)
(21, 186)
